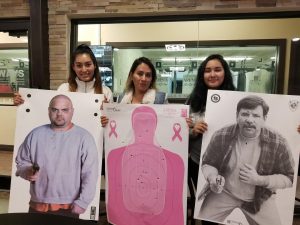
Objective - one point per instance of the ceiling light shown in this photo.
(177, 68)
(166, 74)
(175, 47)
(296, 39)
(239, 58)
(181, 59)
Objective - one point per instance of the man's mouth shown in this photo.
(249, 127)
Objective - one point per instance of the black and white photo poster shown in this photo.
(249, 159)
(57, 154)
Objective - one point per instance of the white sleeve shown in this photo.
(63, 87)
(108, 94)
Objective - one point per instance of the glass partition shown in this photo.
(14, 69)
(253, 67)
(14, 64)
(103, 54)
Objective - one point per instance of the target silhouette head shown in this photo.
(144, 121)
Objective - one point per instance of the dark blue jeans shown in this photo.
(61, 212)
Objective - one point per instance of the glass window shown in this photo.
(103, 54)
(253, 68)
(14, 63)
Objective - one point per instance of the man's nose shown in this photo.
(250, 119)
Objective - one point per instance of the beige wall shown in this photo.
(8, 124)
(90, 32)
(201, 30)
(14, 9)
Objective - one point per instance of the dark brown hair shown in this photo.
(84, 49)
(135, 64)
(197, 99)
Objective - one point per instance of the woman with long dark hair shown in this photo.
(84, 76)
(213, 73)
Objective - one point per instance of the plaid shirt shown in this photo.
(275, 158)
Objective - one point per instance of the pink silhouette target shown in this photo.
(145, 182)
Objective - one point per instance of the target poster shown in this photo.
(59, 174)
(146, 151)
(249, 159)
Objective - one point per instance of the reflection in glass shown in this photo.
(253, 68)
(14, 69)
(103, 54)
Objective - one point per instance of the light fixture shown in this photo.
(166, 74)
(182, 59)
(20, 59)
(296, 39)
(104, 69)
(239, 58)
(177, 68)
(175, 47)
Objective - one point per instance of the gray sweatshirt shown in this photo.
(68, 162)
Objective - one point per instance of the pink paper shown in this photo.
(145, 182)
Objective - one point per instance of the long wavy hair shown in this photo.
(84, 49)
(129, 82)
(197, 99)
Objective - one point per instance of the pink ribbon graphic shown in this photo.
(113, 126)
(177, 129)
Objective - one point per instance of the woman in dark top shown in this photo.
(213, 73)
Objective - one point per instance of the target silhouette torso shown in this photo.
(144, 178)
(145, 182)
